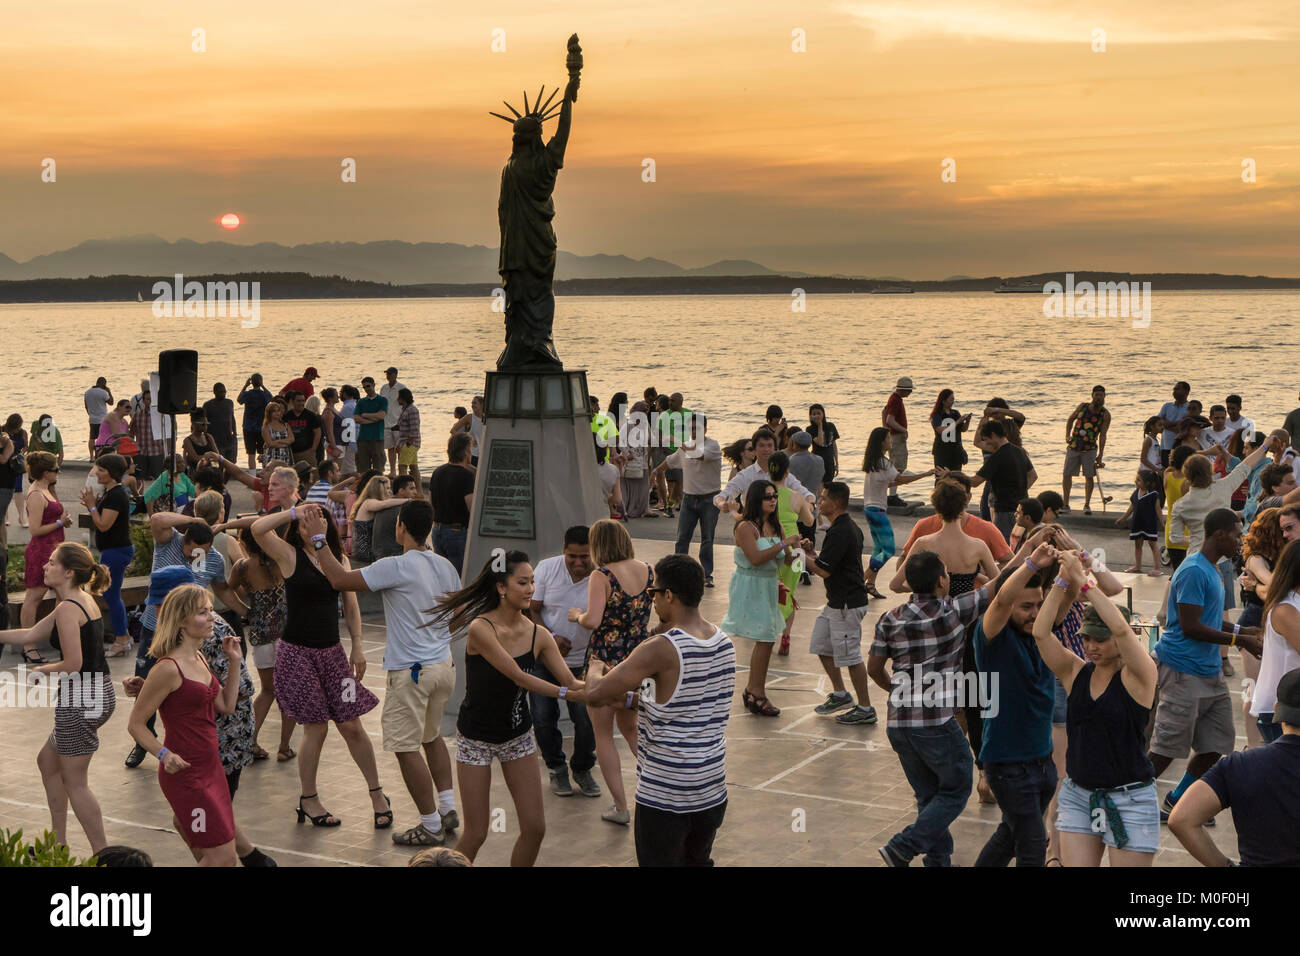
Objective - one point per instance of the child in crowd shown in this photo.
(1144, 520)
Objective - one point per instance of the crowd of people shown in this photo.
(1009, 656)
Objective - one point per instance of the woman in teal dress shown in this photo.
(753, 611)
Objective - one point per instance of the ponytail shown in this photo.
(85, 570)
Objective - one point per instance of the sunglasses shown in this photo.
(655, 591)
(770, 497)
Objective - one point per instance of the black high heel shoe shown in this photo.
(319, 821)
(383, 818)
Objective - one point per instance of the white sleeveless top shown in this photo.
(1279, 658)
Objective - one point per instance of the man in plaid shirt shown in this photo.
(925, 638)
(153, 448)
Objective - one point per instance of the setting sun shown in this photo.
(230, 221)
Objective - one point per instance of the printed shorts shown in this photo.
(479, 753)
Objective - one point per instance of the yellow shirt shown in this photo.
(1173, 491)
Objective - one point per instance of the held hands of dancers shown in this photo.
(311, 521)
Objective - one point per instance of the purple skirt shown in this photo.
(314, 685)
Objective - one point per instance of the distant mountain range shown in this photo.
(401, 263)
(300, 285)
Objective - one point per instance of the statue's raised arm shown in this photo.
(525, 211)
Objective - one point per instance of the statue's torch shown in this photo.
(574, 64)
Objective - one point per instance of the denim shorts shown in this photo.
(1137, 808)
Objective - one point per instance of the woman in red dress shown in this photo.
(184, 691)
(47, 521)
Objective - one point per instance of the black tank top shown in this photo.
(495, 708)
(93, 660)
(1105, 736)
(312, 607)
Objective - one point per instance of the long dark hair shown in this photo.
(255, 550)
(294, 537)
(754, 506)
(735, 451)
(1286, 578)
(478, 597)
(944, 395)
(874, 458)
(617, 401)
(778, 466)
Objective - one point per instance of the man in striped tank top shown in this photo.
(681, 793)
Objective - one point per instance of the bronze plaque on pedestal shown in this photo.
(506, 510)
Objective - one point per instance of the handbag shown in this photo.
(634, 468)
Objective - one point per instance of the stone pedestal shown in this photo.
(537, 473)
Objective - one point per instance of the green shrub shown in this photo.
(142, 538)
(14, 570)
(46, 851)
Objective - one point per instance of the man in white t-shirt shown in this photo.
(1237, 421)
(420, 675)
(1218, 433)
(559, 583)
(97, 399)
(389, 391)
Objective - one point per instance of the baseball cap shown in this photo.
(391, 368)
(803, 439)
(1287, 707)
(904, 382)
(311, 372)
(1093, 626)
(165, 580)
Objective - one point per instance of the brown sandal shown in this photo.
(285, 753)
(759, 705)
(259, 752)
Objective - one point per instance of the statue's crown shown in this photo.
(531, 119)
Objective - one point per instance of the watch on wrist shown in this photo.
(317, 545)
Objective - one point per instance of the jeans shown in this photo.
(116, 560)
(1023, 789)
(702, 509)
(1269, 730)
(676, 839)
(937, 763)
(144, 664)
(882, 536)
(546, 719)
(450, 543)
(1004, 521)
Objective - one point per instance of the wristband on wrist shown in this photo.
(1061, 583)
(1087, 585)
(562, 693)
(1030, 564)
(163, 753)
(629, 700)
(318, 537)
(293, 513)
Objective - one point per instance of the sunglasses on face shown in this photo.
(769, 497)
(655, 591)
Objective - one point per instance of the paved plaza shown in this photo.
(804, 790)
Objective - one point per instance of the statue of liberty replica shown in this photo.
(537, 473)
(525, 211)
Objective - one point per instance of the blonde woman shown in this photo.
(277, 437)
(185, 692)
(86, 700)
(374, 498)
(619, 599)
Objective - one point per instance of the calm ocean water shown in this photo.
(730, 356)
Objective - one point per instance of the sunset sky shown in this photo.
(821, 161)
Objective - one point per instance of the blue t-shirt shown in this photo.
(1024, 695)
(1259, 786)
(1196, 581)
(171, 554)
(254, 402)
(1171, 412)
(371, 431)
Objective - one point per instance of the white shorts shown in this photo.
(263, 655)
(390, 437)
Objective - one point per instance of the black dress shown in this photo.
(948, 454)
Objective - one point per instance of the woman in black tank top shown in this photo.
(1108, 799)
(86, 699)
(316, 682)
(502, 644)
